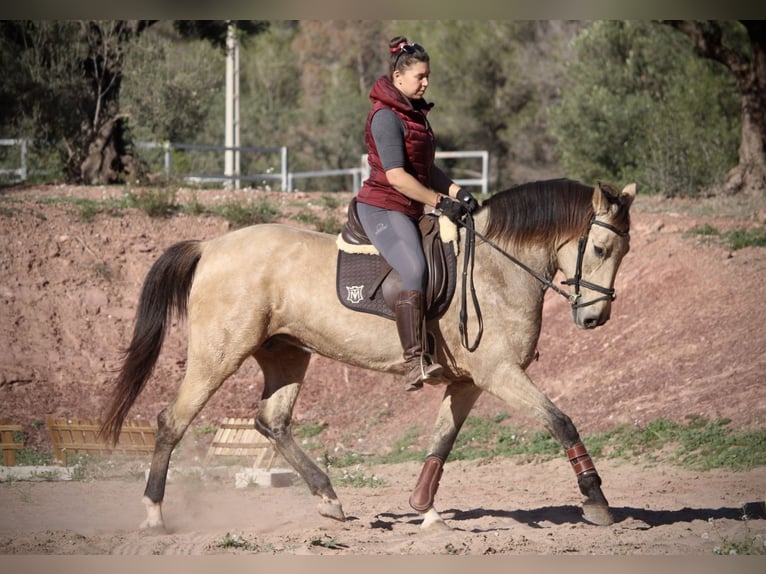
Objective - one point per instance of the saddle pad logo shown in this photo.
(355, 295)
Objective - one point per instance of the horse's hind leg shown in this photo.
(204, 375)
(284, 367)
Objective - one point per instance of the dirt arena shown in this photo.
(686, 337)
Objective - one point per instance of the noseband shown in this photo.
(578, 281)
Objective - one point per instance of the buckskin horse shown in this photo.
(268, 291)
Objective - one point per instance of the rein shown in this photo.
(577, 280)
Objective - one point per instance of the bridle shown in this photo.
(607, 293)
(577, 281)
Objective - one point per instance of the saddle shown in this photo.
(366, 282)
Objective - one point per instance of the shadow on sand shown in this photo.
(570, 514)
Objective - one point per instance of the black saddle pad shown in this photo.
(366, 283)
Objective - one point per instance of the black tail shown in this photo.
(165, 291)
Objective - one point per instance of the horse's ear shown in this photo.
(603, 197)
(628, 194)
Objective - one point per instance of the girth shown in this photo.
(366, 282)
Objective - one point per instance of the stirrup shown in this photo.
(428, 372)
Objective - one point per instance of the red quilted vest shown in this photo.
(420, 146)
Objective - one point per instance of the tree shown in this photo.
(493, 83)
(64, 80)
(719, 41)
(104, 154)
(638, 105)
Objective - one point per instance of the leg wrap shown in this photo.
(422, 497)
(580, 460)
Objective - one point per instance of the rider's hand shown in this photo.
(468, 200)
(452, 209)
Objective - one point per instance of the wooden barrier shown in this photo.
(8, 443)
(238, 437)
(80, 436)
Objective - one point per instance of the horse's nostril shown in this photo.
(590, 323)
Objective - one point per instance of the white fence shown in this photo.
(281, 175)
(20, 173)
(285, 177)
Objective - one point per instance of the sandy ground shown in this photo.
(686, 338)
(495, 507)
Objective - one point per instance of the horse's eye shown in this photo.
(599, 251)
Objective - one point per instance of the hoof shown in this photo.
(598, 514)
(152, 529)
(331, 509)
(432, 521)
(154, 521)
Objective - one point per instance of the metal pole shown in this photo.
(285, 185)
(231, 155)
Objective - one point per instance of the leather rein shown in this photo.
(577, 281)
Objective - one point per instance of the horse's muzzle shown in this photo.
(592, 316)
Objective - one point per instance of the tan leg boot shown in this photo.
(409, 323)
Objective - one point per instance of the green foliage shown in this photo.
(88, 209)
(170, 87)
(26, 457)
(358, 478)
(491, 437)
(309, 430)
(741, 238)
(250, 213)
(735, 239)
(492, 83)
(697, 445)
(204, 429)
(237, 542)
(403, 449)
(326, 541)
(42, 84)
(155, 202)
(628, 101)
(638, 105)
(750, 543)
(328, 224)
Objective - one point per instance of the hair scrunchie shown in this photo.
(399, 46)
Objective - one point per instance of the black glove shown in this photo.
(467, 200)
(452, 209)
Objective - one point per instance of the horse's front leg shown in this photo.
(518, 390)
(458, 400)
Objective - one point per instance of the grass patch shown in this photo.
(331, 201)
(403, 449)
(88, 209)
(25, 457)
(237, 542)
(735, 239)
(490, 437)
(750, 543)
(309, 430)
(155, 202)
(358, 477)
(326, 541)
(698, 444)
(204, 429)
(329, 224)
(242, 215)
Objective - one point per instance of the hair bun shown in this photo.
(398, 45)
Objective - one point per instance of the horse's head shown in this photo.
(590, 262)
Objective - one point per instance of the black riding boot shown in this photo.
(409, 323)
